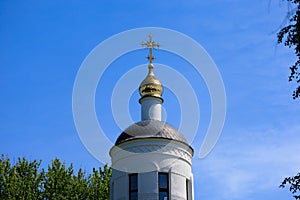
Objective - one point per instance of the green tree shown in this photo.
(290, 37)
(294, 183)
(80, 185)
(25, 180)
(20, 181)
(99, 183)
(58, 181)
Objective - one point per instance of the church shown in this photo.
(151, 160)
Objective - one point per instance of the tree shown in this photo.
(99, 183)
(294, 183)
(20, 181)
(25, 180)
(290, 37)
(59, 181)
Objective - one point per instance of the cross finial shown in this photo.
(151, 45)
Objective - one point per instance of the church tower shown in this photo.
(151, 160)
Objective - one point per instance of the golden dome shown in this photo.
(151, 86)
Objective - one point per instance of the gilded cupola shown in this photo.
(150, 86)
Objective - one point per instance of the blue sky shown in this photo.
(43, 44)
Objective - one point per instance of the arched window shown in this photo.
(133, 187)
(187, 189)
(163, 186)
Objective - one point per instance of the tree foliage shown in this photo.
(99, 183)
(294, 183)
(25, 180)
(290, 37)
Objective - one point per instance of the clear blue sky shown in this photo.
(43, 44)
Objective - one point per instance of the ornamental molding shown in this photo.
(160, 149)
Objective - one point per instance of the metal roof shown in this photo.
(150, 129)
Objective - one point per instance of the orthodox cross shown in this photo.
(151, 45)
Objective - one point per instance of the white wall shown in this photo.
(151, 108)
(148, 157)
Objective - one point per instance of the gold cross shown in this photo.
(151, 45)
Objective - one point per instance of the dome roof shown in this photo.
(151, 86)
(150, 129)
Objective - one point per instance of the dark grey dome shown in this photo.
(150, 129)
